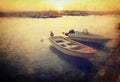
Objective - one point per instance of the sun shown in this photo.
(58, 4)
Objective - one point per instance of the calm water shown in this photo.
(20, 39)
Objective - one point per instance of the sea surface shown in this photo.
(26, 50)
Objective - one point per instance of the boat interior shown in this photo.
(67, 44)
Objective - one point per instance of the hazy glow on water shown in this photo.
(23, 36)
(32, 30)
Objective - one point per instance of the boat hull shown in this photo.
(72, 53)
(97, 41)
(91, 38)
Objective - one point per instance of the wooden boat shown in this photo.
(88, 37)
(71, 47)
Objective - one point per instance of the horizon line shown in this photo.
(63, 10)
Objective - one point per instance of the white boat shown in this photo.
(88, 37)
(71, 47)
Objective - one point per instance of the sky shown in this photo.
(38, 5)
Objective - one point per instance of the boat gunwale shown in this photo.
(89, 35)
(92, 51)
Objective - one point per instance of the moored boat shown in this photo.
(85, 36)
(71, 47)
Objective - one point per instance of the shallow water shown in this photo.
(25, 42)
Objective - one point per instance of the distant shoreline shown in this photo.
(55, 14)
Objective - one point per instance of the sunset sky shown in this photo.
(37, 5)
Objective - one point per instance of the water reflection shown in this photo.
(80, 63)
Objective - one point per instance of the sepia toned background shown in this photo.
(27, 55)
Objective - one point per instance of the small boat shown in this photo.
(71, 47)
(88, 37)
